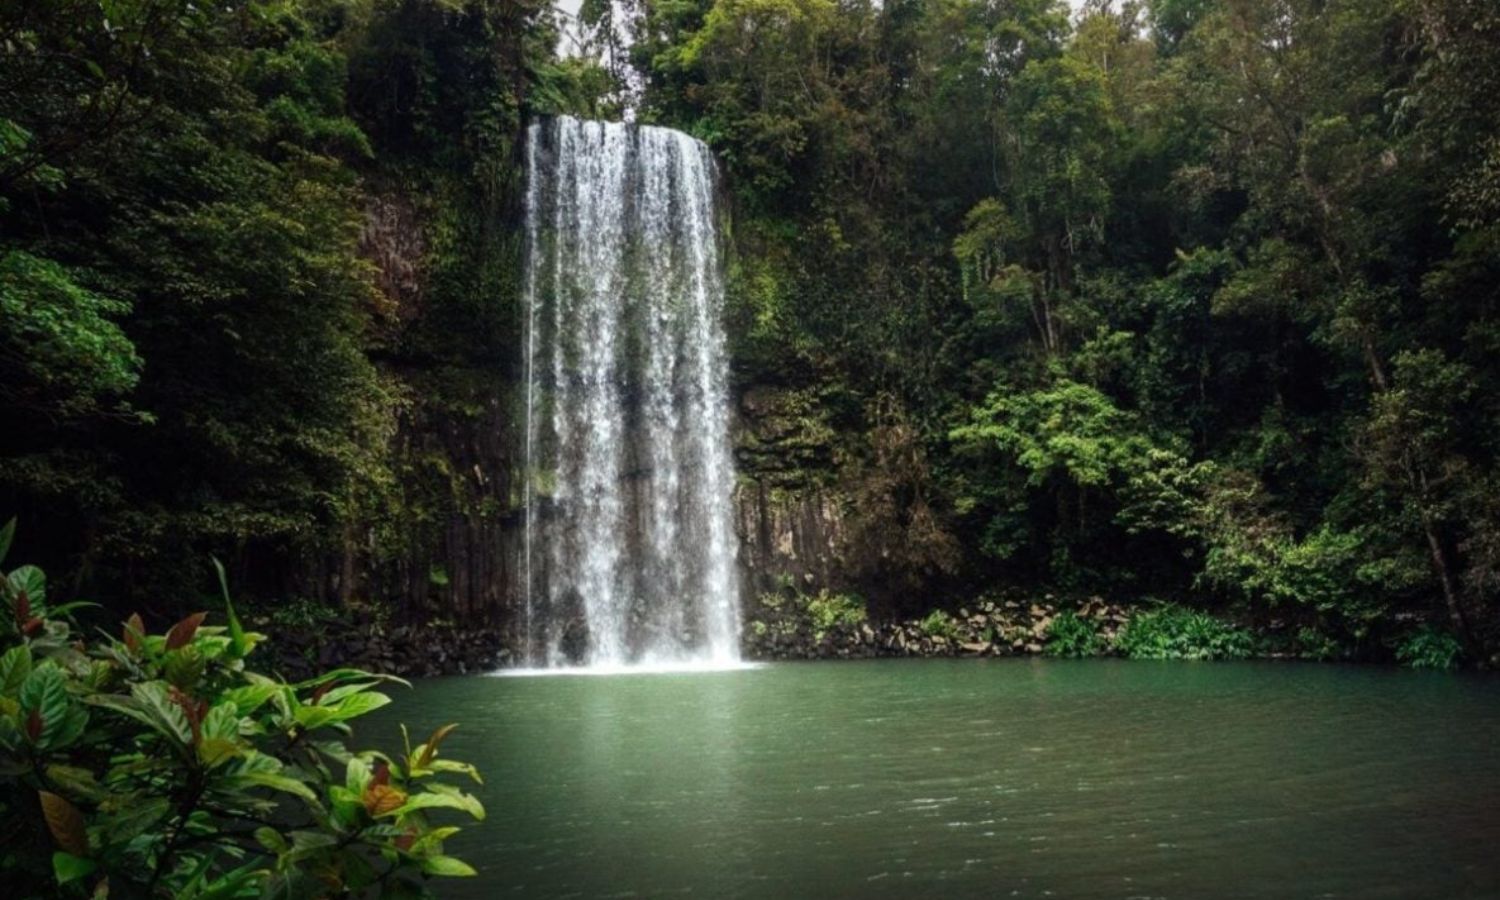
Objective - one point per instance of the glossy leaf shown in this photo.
(69, 868)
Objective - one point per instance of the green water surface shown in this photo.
(1004, 778)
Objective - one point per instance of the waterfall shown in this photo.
(629, 544)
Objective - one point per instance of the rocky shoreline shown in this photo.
(990, 628)
(408, 651)
(830, 626)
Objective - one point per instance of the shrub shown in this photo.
(1071, 636)
(1429, 648)
(772, 601)
(939, 624)
(160, 765)
(1175, 632)
(828, 611)
(1313, 643)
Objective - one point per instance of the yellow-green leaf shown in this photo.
(448, 866)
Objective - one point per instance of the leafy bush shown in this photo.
(293, 615)
(828, 611)
(159, 765)
(1071, 636)
(939, 624)
(1312, 643)
(1430, 648)
(1175, 632)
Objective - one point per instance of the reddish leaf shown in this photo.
(382, 773)
(182, 633)
(404, 841)
(34, 725)
(32, 626)
(193, 710)
(320, 690)
(135, 629)
(380, 799)
(430, 750)
(23, 608)
(66, 824)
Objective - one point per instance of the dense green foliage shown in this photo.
(1070, 635)
(249, 252)
(1187, 298)
(828, 611)
(1172, 632)
(160, 765)
(1193, 298)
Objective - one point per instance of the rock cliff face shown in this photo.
(789, 515)
(788, 537)
(452, 551)
(456, 554)
(464, 538)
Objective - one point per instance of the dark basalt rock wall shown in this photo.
(788, 536)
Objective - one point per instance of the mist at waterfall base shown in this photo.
(629, 552)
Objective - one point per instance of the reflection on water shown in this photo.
(1000, 778)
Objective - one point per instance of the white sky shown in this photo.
(570, 7)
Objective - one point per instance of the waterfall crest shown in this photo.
(629, 548)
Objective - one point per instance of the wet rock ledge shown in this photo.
(817, 628)
(410, 651)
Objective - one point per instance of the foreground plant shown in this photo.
(158, 765)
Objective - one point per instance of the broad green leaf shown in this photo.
(271, 839)
(292, 884)
(49, 716)
(134, 818)
(432, 841)
(358, 705)
(311, 717)
(453, 765)
(15, 665)
(439, 796)
(344, 690)
(283, 783)
(234, 883)
(127, 706)
(75, 780)
(347, 674)
(357, 776)
(250, 697)
(164, 715)
(215, 751)
(305, 842)
(447, 866)
(69, 868)
(183, 667)
(31, 580)
(222, 721)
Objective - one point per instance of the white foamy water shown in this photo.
(684, 667)
(629, 548)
